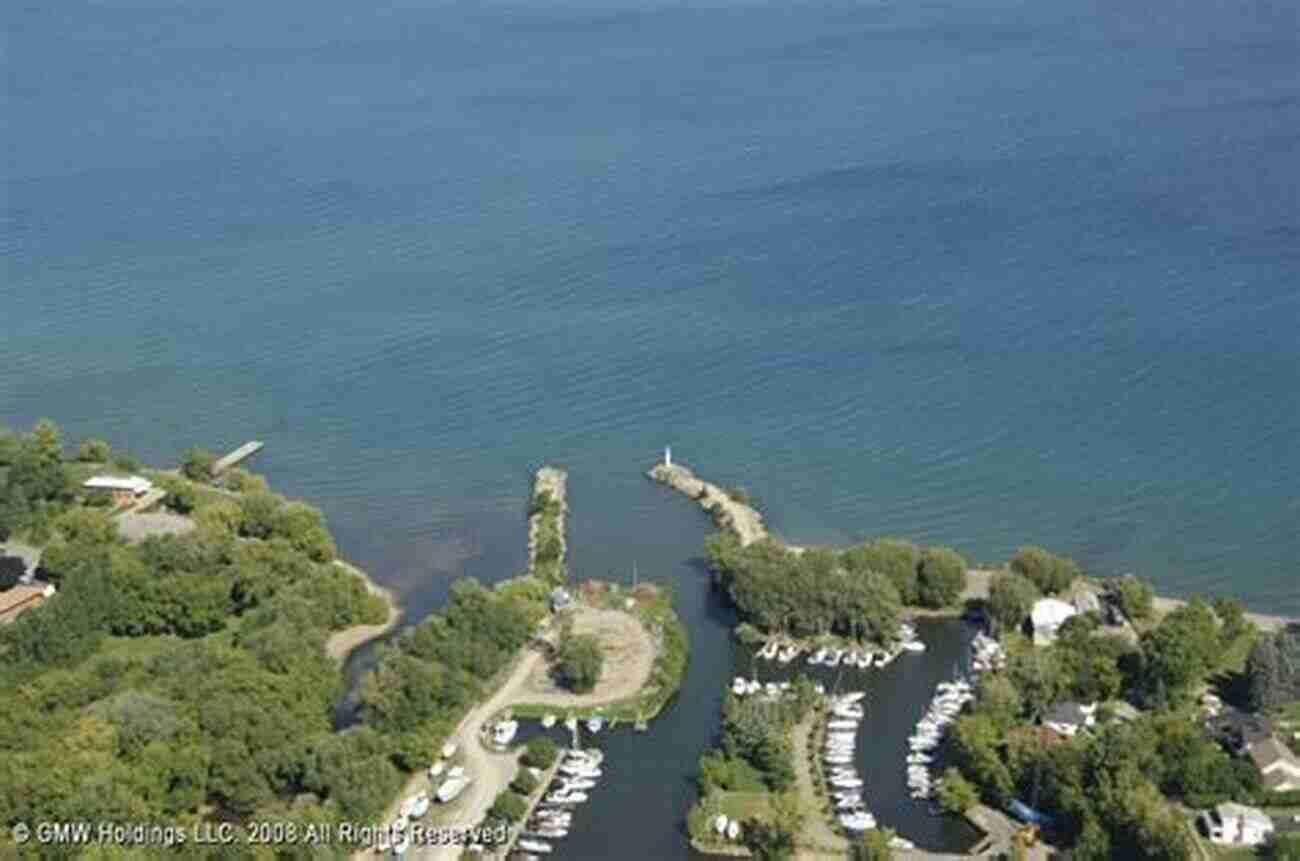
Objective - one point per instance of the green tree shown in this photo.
(896, 559)
(1049, 572)
(956, 793)
(1179, 652)
(1283, 847)
(181, 496)
(1135, 598)
(1011, 599)
(941, 577)
(874, 846)
(769, 841)
(524, 783)
(197, 463)
(94, 451)
(539, 752)
(580, 662)
(1232, 615)
(508, 807)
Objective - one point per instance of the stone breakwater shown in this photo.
(553, 481)
(730, 514)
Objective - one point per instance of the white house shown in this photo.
(1068, 718)
(1279, 770)
(1047, 617)
(122, 489)
(1232, 824)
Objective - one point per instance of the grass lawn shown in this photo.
(745, 805)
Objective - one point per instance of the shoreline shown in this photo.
(746, 523)
(341, 644)
(554, 482)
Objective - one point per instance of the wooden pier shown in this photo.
(244, 452)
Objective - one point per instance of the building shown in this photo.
(23, 597)
(1067, 718)
(123, 490)
(1239, 730)
(1232, 824)
(561, 599)
(1279, 770)
(1047, 617)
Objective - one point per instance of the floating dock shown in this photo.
(244, 452)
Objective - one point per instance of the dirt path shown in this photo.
(492, 772)
(817, 832)
(629, 658)
(342, 643)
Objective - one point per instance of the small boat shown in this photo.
(420, 805)
(595, 724)
(901, 843)
(504, 732)
(571, 723)
(451, 789)
(847, 782)
(733, 830)
(535, 846)
(817, 657)
(913, 646)
(566, 798)
(833, 660)
(720, 823)
(787, 654)
(549, 833)
(548, 720)
(843, 723)
(753, 686)
(739, 686)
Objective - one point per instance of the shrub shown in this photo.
(1049, 572)
(941, 577)
(94, 451)
(581, 661)
(196, 464)
(1134, 597)
(508, 807)
(956, 793)
(540, 752)
(524, 783)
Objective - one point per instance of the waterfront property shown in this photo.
(23, 597)
(1231, 824)
(1067, 718)
(123, 490)
(1047, 617)
(1279, 769)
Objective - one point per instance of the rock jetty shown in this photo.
(728, 513)
(553, 482)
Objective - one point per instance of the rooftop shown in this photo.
(133, 483)
(1051, 612)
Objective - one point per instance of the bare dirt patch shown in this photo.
(629, 657)
(137, 527)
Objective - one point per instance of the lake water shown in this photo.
(979, 273)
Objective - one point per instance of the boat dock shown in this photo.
(244, 452)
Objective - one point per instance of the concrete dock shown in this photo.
(244, 452)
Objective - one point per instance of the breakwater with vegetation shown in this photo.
(548, 509)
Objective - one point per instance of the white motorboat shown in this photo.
(842, 723)
(787, 654)
(534, 846)
(452, 788)
(857, 821)
(720, 823)
(739, 686)
(838, 760)
(595, 724)
(901, 843)
(571, 723)
(566, 797)
(420, 805)
(912, 646)
(733, 830)
(583, 771)
(847, 782)
(833, 659)
(817, 657)
(548, 720)
(852, 697)
(504, 732)
(580, 783)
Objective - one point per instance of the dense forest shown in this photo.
(859, 592)
(183, 678)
